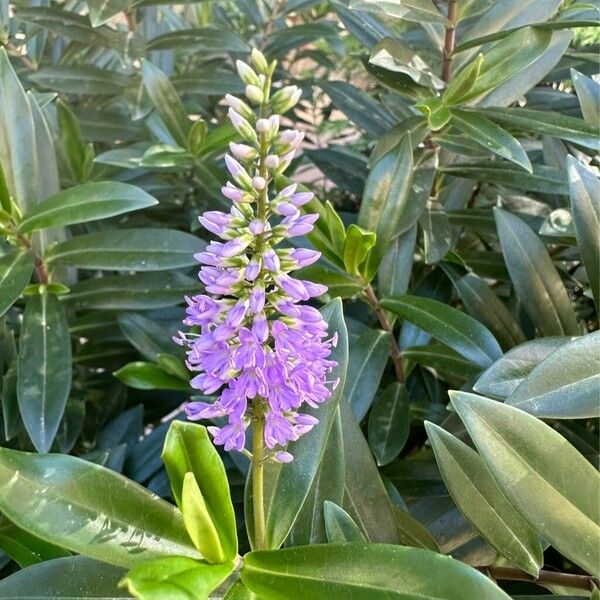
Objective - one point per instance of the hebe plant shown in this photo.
(396, 381)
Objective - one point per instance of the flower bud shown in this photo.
(242, 152)
(262, 125)
(272, 161)
(242, 126)
(285, 99)
(254, 94)
(258, 183)
(238, 172)
(259, 61)
(247, 75)
(240, 107)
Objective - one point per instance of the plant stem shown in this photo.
(581, 582)
(386, 325)
(450, 40)
(258, 486)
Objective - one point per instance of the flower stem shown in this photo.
(258, 499)
(450, 40)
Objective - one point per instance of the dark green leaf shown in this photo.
(481, 501)
(443, 359)
(88, 509)
(410, 10)
(44, 368)
(535, 278)
(450, 326)
(557, 497)
(145, 249)
(15, 273)
(85, 81)
(148, 376)
(588, 92)
(204, 39)
(102, 11)
(364, 571)
(339, 525)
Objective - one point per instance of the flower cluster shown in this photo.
(256, 345)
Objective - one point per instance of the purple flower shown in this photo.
(254, 341)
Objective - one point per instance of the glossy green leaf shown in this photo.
(141, 291)
(588, 91)
(389, 423)
(448, 363)
(367, 361)
(339, 525)
(16, 269)
(460, 85)
(410, 10)
(78, 156)
(176, 578)
(506, 374)
(412, 533)
(188, 448)
(145, 249)
(534, 277)
(73, 578)
(584, 190)
(204, 39)
(557, 497)
(292, 483)
(481, 501)
(102, 11)
(357, 246)
(450, 326)
(44, 368)
(87, 202)
(385, 198)
(491, 136)
(483, 304)
(148, 376)
(565, 385)
(166, 102)
(89, 509)
(81, 81)
(377, 570)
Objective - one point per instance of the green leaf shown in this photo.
(166, 102)
(565, 385)
(588, 92)
(506, 374)
(16, 269)
(81, 81)
(461, 84)
(83, 203)
(147, 249)
(142, 291)
(365, 572)
(412, 533)
(357, 246)
(491, 136)
(73, 578)
(175, 578)
(77, 154)
(43, 368)
(149, 337)
(385, 199)
(448, 363)
(102, 11)
(448, 325)
(481, 501)
(483, 304)
(188, 448)
(89, 509)
(367, 362)
(534, 277)
(339, 525)
(148, 376)
(507, 58)
(545, 122)
(409, 10)
(558, 497)
(389, 423)
(292, 483)
(199, 39)
(584, 190)
(437, 112)
(198, 521)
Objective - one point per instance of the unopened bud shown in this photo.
(262, 125)
(242, 126)
(258, 183)
(254, 94)
(242, 152)
(259, 61)
(285, 99)
(247, 75)
(272, 161)
(240, 107)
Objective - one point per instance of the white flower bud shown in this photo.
(254, 94)
(259, 61)
(285, 99)
(247, 75)
(272, 161)
(242, 126)
(242, 152)
(262, 125)
(258, 183)
(240, 107)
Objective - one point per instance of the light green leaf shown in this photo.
(148, 376)
(365, 572)
(83, 203)
(147, 249)
(357, 246)
(389, 423)
(565, 385)
(81, 81)
(15, 273)
(534, 277)
(339, 525)
(481, 501)
(558, 497)
(102, 11)
(584, 190)
(89, 509)
(43, 368)
(588, 92)
(449, 325)
(409, 10)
